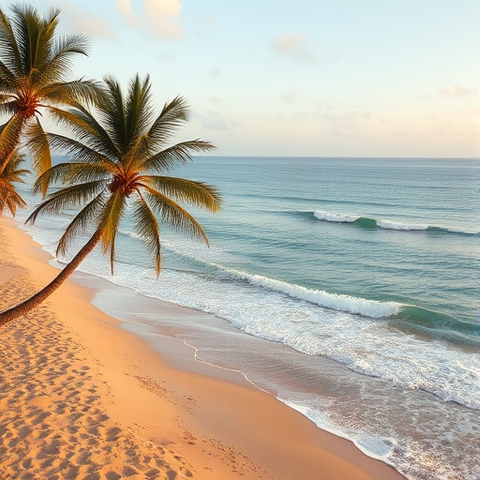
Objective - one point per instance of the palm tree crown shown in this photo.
(118, 166)
(9, 197)
(34, 64)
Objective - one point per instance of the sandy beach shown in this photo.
(81, 397)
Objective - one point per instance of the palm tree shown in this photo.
(9, 198)
(117, 168)
(34, 63)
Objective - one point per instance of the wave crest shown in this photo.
(337, 218)
(340, 302)
(386, 224)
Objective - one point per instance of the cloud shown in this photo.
(216, 120)
(214, 72)
(124, 6)
(457, 91)
(294, 47)
(343, 124)
(159, 17)
(289, 96)
(216, 100)
(92, 25)
(82, 20)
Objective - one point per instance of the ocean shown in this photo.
(348, 288)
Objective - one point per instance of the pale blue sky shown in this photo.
(302, 77)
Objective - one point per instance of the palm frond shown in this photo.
(110, 222)
(7, 78)
(70, 93)
(9, 107)
(180, 153)
(137, 153)
(60, 60)
(147, 227)
(10, 198)
(9, 137)
(29, 28)
(175, 215)
(82, 220)
(174, 114)
(112, 112)
(68, 197)
(13, 172)
(43, 44)
(10, 130)
(5, 98)
(39, 147)
(138, 109)
(72, 173)
(16, 175)
(9, 49)
(195, 193)
(86, 129)
(77, 151)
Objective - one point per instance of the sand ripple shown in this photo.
(51, 423)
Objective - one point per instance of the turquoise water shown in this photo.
(348, 288)
(409, 230)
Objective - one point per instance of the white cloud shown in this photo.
(162, 18)
(293, 46)
(93, 25)
(82, 20)
(216, 120)
(457, 91)
(163, 8)
(124, 6)
(159, 17)
(289, 96)
(214, 72)
(343, 123)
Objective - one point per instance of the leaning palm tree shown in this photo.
(9, 197)
(117, 168)
(35, 62)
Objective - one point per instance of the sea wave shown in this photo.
(340, 302)
(436, 323)
(386, 224)
(440, 324)
(429, 321)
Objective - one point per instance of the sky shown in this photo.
(320, 78)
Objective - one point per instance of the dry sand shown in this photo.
(82, 398)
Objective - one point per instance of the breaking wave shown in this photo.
(386, 224)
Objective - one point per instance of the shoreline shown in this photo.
(208, 422)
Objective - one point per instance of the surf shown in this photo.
(387, 224)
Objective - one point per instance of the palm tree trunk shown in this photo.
(35, 300)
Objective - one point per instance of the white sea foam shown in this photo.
(381, 223)
(335, 217)
(344, 303)
(376, 447)
(373, 446)
(391, 225)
